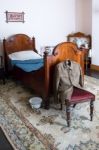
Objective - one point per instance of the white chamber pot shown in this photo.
(35, 102)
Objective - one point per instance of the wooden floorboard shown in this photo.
(4, 143)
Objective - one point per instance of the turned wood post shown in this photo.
(91, 109)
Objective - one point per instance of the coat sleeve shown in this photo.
(81, 79)
(56, 82)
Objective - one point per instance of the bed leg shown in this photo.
(47, 103)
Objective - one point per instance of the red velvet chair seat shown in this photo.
(80, 95)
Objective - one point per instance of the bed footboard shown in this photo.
(62, 51)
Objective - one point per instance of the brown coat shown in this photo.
(66, 76)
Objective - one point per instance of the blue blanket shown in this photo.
(28, 65)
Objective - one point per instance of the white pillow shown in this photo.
(24, 55)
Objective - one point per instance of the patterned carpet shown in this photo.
(41, 129)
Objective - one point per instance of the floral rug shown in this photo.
(43, 129)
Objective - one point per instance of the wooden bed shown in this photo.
(41, 81)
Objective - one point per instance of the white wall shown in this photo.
(87, 21)
(83, 16)
(48, 20)
(95, 32)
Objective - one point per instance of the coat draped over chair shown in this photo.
(68, 74)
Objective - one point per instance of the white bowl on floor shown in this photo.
(35, 102)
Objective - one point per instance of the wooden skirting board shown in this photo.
(94, 67)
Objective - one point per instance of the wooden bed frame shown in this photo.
(41, 81)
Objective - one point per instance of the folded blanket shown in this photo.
(28, 65)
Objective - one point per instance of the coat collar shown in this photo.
(68, 64)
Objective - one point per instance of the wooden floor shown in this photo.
(4, 143)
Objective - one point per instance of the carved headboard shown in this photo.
(63, 51)
(18, 42)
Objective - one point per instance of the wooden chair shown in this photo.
(83, 42)
(79, 96)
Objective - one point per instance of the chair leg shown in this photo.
(68, 112)
(74, 105)
(91, 110)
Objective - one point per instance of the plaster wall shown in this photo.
(48, 21)
(95, 32)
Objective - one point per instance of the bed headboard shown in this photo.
(18, 42)
(69, 50)
(61, 52)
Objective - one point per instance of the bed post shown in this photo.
(5, 58)
(33, 42)
(46, 80)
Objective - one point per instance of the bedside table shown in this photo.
(2, 71)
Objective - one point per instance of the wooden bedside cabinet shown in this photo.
(2, 71)
(83, 42)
